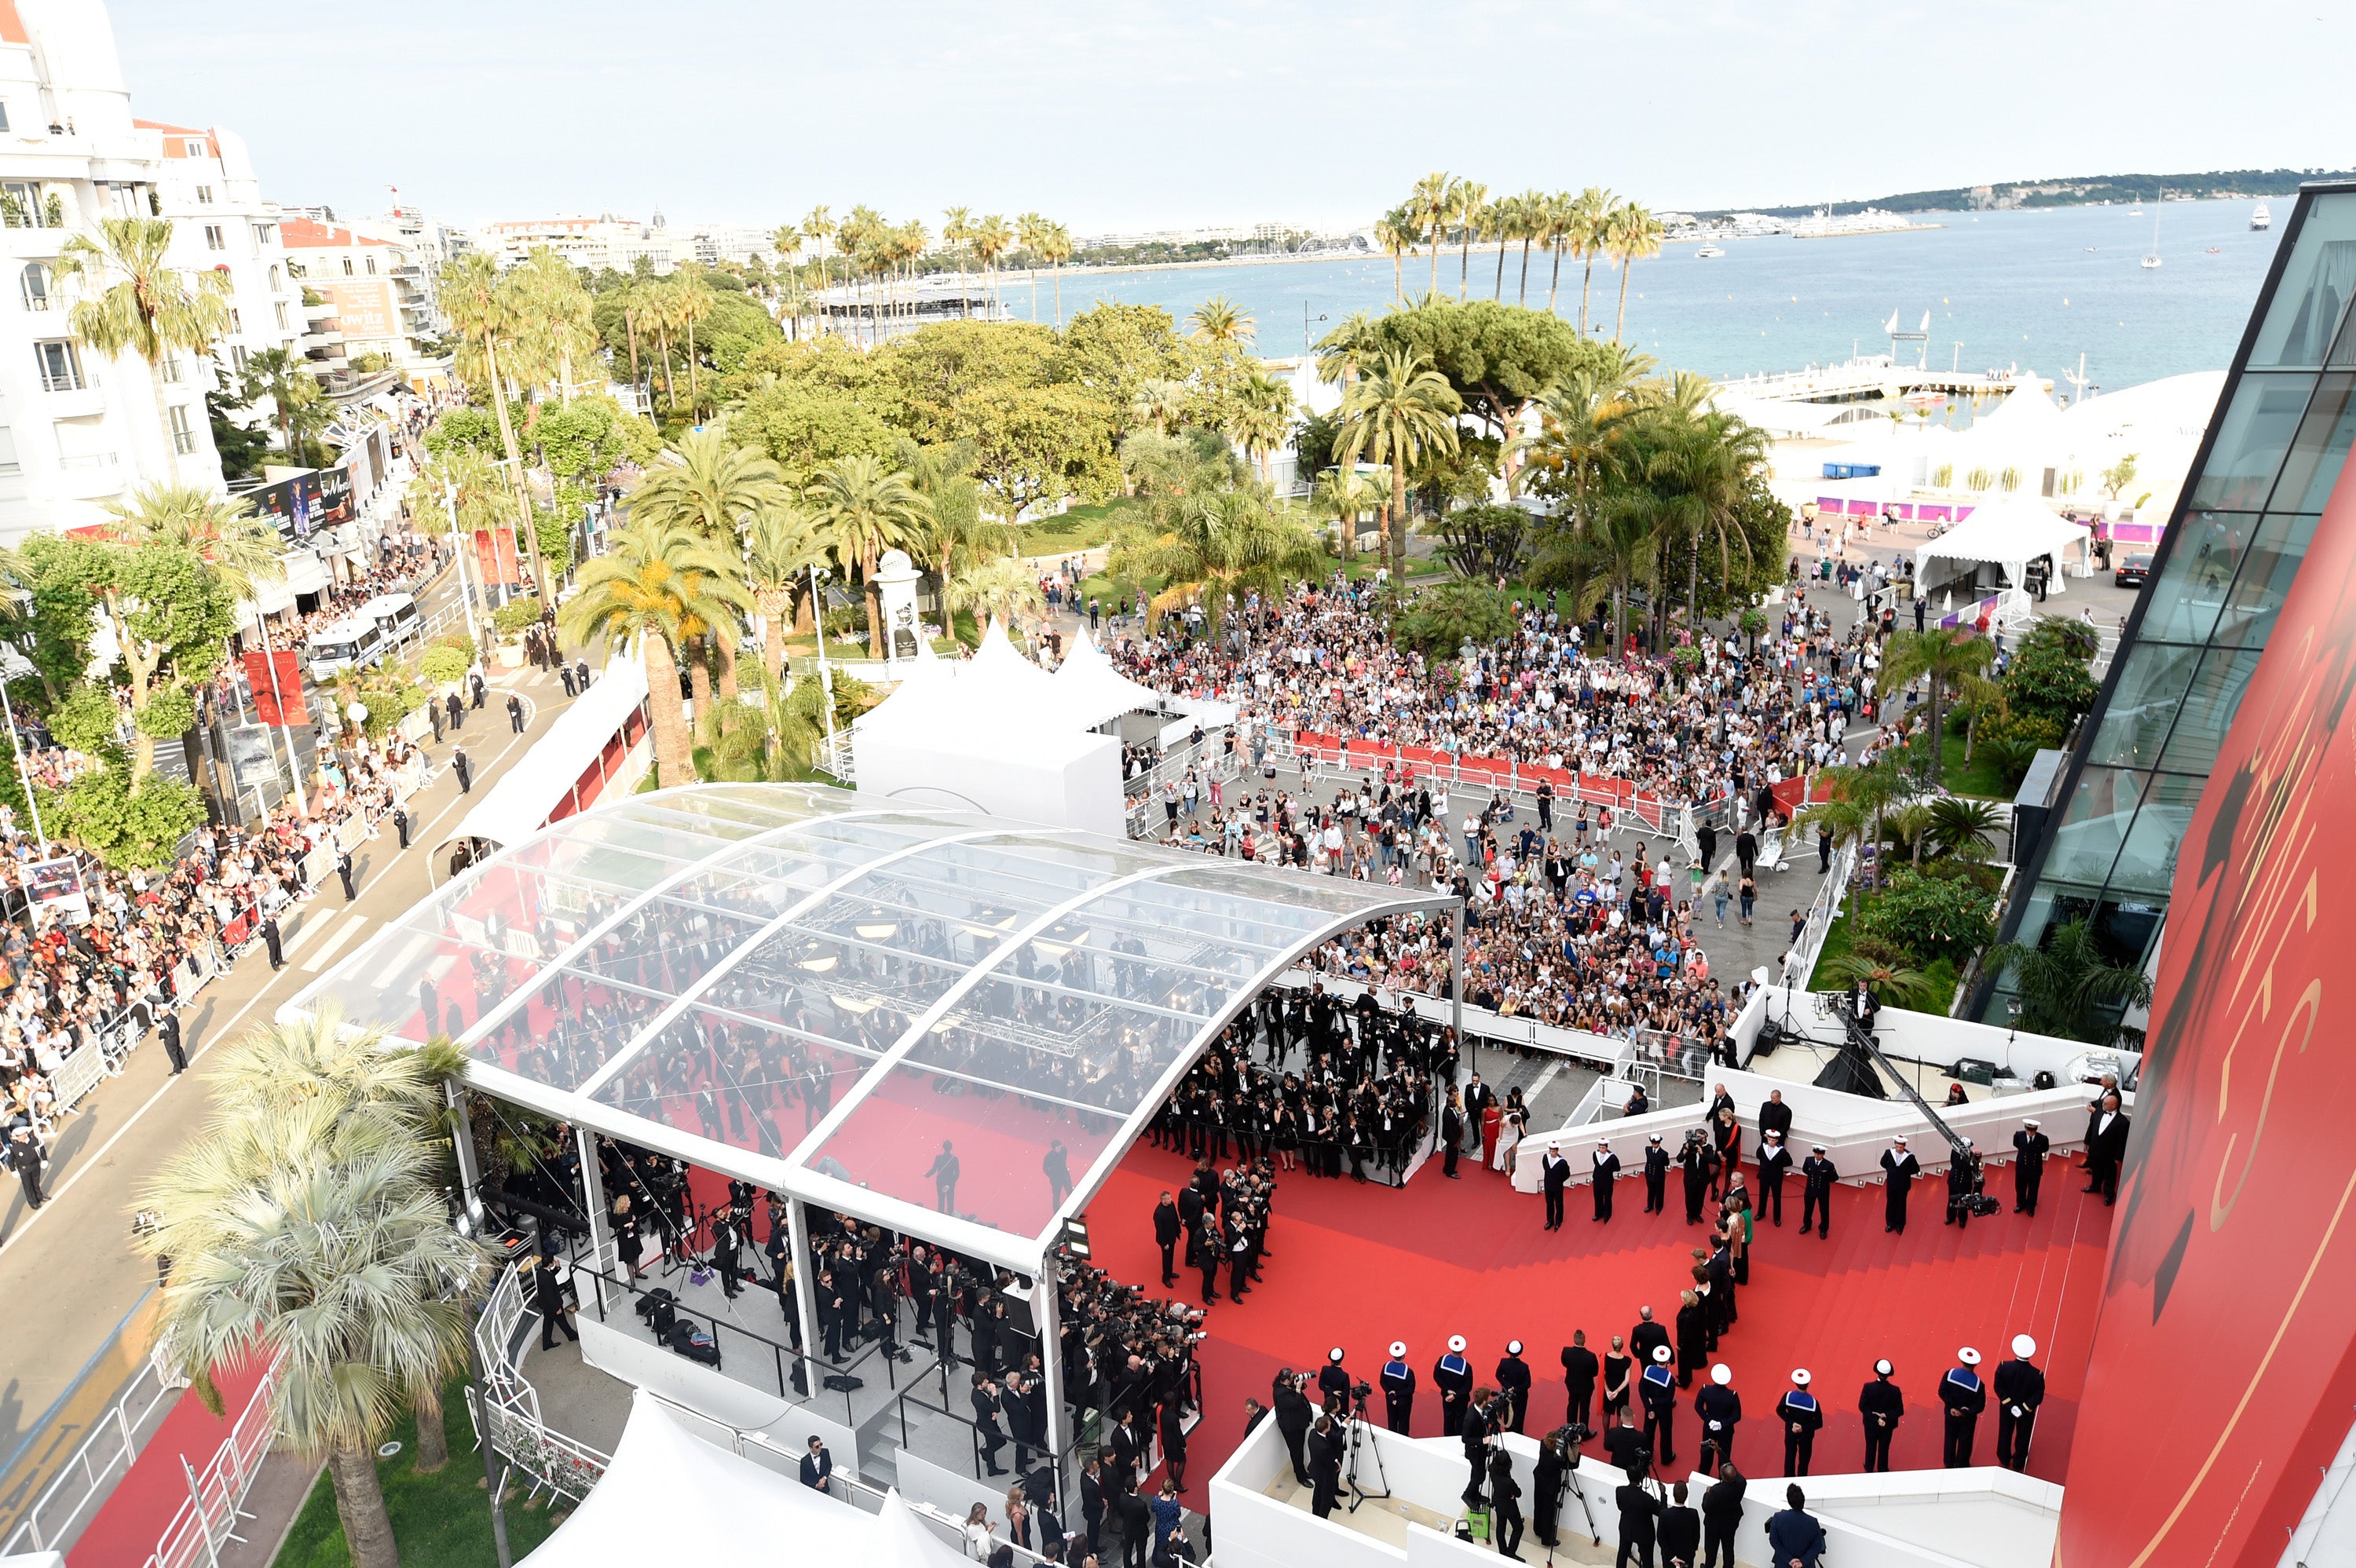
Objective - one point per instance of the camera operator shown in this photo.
(1480, 1415)
(1639, 1513)
(1557, 1456)
(1964, 1180)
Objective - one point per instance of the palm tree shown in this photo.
(694, 304)
(482, 315)
(991, 240)
(1533, 212)
(308, 1223)
(1005, 589)
(1892, 982)
(1399, 409)
(132, 302)
(240, 551)
(957, 227)
(1502, 221)
(659, 586)
(1590, 232)
(1635, 235)
(2069, 987)
(1858, 800)
(1221, 542)
(1396, 233)
(1056, 248)
(1434, 199)
(955, 529)
(298, 406)
(1159, 402)
(708, 483)
(866, 508)
(1468, 208)
(553, 314)
(1342, 496)
(1260, 419)
(1216, 321)
(1943, 655)
(781, 544)
(1562, 213)
(1031, 232)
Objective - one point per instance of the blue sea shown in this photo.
(2031, 290)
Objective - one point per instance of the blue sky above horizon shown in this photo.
(1153, 114)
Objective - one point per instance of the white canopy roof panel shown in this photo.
(856, 982)
(2009, 530)
(520, 802)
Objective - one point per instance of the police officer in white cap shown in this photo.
(1962, 1396)
(1399, 1389)
(1656, 1175)
(1803, 1418)
(1881, 1404)
(1606, 1173)
(1333, 1383)
(1721, 1409)
(1514, 1382)
(2020, 1389)
(1452, 1375)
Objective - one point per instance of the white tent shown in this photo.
(669, 1496)
(1089, 691)
(2010, 531)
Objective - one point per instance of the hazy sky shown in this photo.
(1111, 115)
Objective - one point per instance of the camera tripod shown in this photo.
(1361, 1443)
(1571, 1487)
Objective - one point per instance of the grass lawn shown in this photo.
(1940, 978)
(1078, 529)
(443, 1519)
(1980, 776)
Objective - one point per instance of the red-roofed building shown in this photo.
(380, 290)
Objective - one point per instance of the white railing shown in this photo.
(105, 1455)
(1801, 961)
(207, 1522)
(506, 1408)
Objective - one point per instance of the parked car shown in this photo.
(2133, 571)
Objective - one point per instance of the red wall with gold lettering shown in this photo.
(2223, 1367)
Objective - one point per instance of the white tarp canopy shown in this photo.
(517, 806)
(2010, 531)
(669, 1496)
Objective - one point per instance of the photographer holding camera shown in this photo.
(1966, 1180)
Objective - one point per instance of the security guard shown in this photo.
(1881, 1404)
(1962, 1396)
(2020, 1389)
(1514, 1382)
(1453, 1376)
(1398, 1388)
(1658, 1391)
(1333, 1383)
(1774, 1165)
(1656, 1176)
(1816, 1176)
(1803, 1418)
(1721, 1409)
(1554, 1175)
(2030, 1149)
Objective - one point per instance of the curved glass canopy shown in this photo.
(818, 990)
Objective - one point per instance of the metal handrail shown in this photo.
(103, 1457)
(207, 1521)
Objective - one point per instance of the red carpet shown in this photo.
(1360, 1267)
(138, 1511)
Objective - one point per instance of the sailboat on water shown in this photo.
(2151, 257)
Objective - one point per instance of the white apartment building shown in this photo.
(594, 244)
(378, 290)
(77, 430)
(220, 223)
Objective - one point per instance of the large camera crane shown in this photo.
(1859, 1043)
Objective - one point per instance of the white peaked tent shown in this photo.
(670, 1497)
(1089, 691)
(2010, 531)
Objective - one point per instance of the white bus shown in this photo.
(353, 643)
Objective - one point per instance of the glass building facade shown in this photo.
(2273, 450)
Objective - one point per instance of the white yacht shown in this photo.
(1707, 251)
(2260, 217)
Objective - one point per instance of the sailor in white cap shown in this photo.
(1656, 1175)
(1606, 1173)
(1721, 1409)
(1962, 1396)
(1657, 1389)
(1554, 1175)
(1514, 1382)
(1881, 1403)
(1817, 1178)
(1453, 1376)
(1333, 1384)
(1399, 1389)
(2029, 1147)
(2020, 1389)
(1774, 1165)
(1898, 1169)
(1803, 1418)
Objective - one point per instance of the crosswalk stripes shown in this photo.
(326, 948)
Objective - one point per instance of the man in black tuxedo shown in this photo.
(2030, 1149)
(2108, 1149)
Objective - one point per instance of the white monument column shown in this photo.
(896, 581)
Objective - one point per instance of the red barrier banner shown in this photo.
(278, 701)
(495, 553)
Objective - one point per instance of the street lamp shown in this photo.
(1304, 328)
(819, 574)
